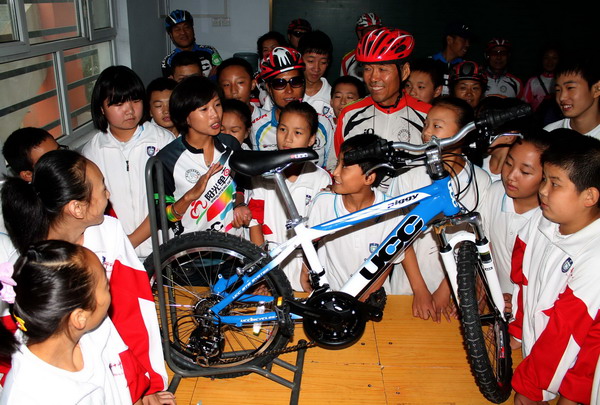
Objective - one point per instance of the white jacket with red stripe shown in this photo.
(132, 308)
(556, 302)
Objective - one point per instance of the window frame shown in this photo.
(22, 49)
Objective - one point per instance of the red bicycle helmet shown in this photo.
(385, 45)
(368, 20)
(494, 42)
(468, 70)
(280, 60)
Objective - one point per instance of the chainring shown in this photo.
(346, 327)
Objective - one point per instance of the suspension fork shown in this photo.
(477, 236)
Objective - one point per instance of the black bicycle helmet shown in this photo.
(176, 17)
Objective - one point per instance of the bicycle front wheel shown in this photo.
(485, 332)
(199, 269)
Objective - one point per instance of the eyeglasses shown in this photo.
(298, 34)
(280, 84)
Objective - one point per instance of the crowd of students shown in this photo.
(538, 190)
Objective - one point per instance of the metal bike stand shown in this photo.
(154, 166)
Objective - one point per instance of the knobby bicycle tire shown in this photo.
(485, 332)
(191, 264)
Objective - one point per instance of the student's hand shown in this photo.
(441, 300)
(159, 398)
(423, 306)
(241, 216)
(521, 399)
(564, 401)
(507, 302)
(514, 343)
(195, 192)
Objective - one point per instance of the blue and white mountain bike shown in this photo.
(229, 305)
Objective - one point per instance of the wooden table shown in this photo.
(401, 360)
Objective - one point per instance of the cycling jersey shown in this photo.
(183, 166)
(209, 58)
(264, 130)
(403, 122)
(123, 165)
(503, 85)
(350, 66)
(538, 89)
(445, 67)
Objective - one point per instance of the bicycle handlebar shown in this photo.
(488, 122)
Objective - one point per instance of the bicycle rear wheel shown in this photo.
(192, 264)
(485, 332)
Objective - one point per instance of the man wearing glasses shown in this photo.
(282, 71)
(296, 29)
(500, 83)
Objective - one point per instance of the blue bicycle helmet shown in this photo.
(176, 17)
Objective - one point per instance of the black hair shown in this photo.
(315, 42)
(235, 61)
(586, 66)
(461, 107)
(537, 137)
(431, 67)
(117, 84)
(191, 93)
(359, 84)
(52, 280)
(30, 209)
(578, 155)
(160, 84)
(18, 146)
(302, 107)
(240, 108)
(361, 142)
(185, 58)
(277, 36)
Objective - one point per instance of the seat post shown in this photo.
(284, 191)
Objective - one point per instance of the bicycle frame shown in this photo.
(431, 200)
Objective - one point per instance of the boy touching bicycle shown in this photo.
(354, 188)
(556, 300)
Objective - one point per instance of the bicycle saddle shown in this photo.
(252, 162)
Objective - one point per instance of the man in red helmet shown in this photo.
(387, 112)
(500, 83)
(366, 23)
(282, 71)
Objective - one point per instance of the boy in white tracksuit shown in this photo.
(556, 300)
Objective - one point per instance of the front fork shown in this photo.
(447, 251)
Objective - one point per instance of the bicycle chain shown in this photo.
(276, 353)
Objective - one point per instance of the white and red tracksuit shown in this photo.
(556, 303)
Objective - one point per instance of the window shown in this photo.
(51, 52)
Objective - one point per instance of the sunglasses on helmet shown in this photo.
(280, 84)
(298, 34)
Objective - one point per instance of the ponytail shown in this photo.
(30, 209)
(24, 214)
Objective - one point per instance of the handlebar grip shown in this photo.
(496, 118)
(381, 149)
